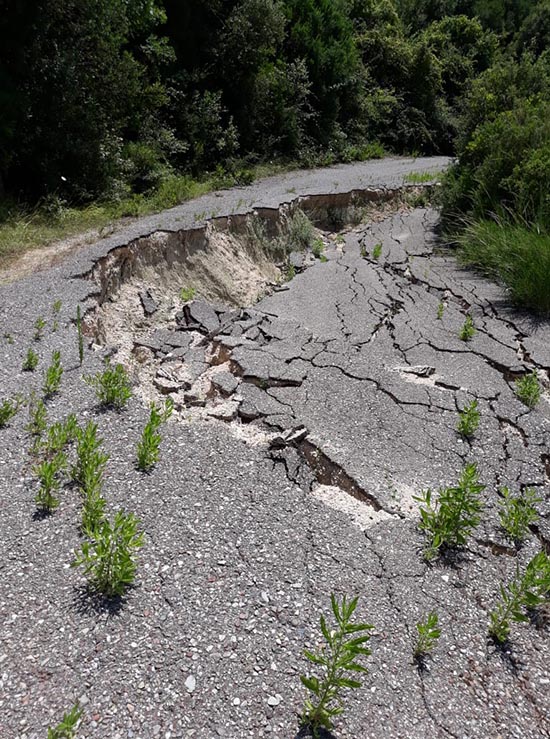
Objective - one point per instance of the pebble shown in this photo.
(191, 683)
(273, 700)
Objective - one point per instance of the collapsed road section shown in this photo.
(317, 371)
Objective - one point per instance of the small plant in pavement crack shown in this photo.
(148, 448)
(68, 726)
(377, 251)
(468, 330)
(449, 520)
(337, 660)
(88, 474)
(48, 472)
(517, 513)
(109, 557)
(31, 361)
(468, 421)
(39, 326)
(528, 389)
(52, 376)
(525, 592)
(428, 634)
(440, 311)
(8, 409)
(112, 386)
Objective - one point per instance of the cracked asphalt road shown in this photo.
(241, 552)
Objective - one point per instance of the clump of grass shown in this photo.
(420, 178)
(467, 332)
(440, 311)
(300, 230)
(112, 386)
(53, 375)
(449, 520)
(8, 409)
(318, 248)
(377, 251)
(516, 254)
(428, 634)
(468, 421)
(37, 417)
(31, 361)
(48, 472)
(109, 557)
(187, 294)
(69, 724)
(338, 660)
(39, 326)
(88, 473)
(148, 448)
(517, 513)
(364, 252)
(527, 591)
(290, 272)
(528, 389)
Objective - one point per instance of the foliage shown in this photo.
(440, 311)
(8, 409)
(69, 723)
(300, 231)
(37, 417)
(31, 361)
(318, 247)
(377, 251)
(112, 386)
(468, 421)
(345, 644)
(528, 389)
(48, 475)
(526, 591)
(467, 332)
(53, 375)
(514, 253)
(39, 326)
(109, 558)
(449, 520)
(148, 448)
(517, 513)
(187, 294)
(428, 634)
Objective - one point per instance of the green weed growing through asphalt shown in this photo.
(48, 473)
(69, 724)
(337, 662)
(52, 376)
(112, 386)
(517, 513)
(528, 389)
(109, 556)
(8, 409)
(148, 448)
(428, 634)
(467, 332)
(449, 519)
(468, 421)
(39, 326)
(31, 361)
(527, 591)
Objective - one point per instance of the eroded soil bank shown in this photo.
(305, 423)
